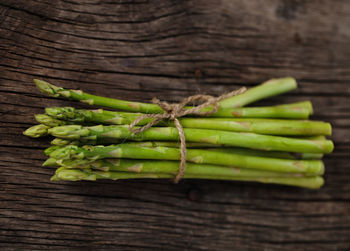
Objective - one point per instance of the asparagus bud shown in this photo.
(36, 131)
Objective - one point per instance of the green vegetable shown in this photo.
(313, 182)
(267, 89)
(113, 134)
(270, 144)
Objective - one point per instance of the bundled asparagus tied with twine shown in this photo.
(218, 139)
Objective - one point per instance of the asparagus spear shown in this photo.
(207, 146)
(267, 89)
(64, 142)
(262, 126)
(111, 134)
(271, 154)
(164, 166)
(224, 148)
(98, 116)
(299, 110)
(68, 154)
(313, 182)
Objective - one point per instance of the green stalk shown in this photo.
(163, 166)
(98, 116)
(308, 155)
(64, 142)
(91, 153)
(113, 134)
(272, 87)
(297, 111)
(36, 131)
(261, 126)
(314, 182)
(270, 154)
(223, 148)
(207, 146)
(269, 88)
(300, 110)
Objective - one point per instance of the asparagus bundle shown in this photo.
(271, 144)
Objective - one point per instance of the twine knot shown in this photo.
(175, 111)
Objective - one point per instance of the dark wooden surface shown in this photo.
(170, 49)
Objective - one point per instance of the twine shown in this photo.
(175, 111)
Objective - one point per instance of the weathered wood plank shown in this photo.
(170, 49)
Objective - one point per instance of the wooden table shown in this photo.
(136, 50)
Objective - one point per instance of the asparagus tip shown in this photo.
(66, 152)
(60, 142)
(54, 178)
(47, 120)
(50, 162)
(46, 87)
(36, 131)
(69, 131)
(72, 175)
(50, 149)
(65, 113)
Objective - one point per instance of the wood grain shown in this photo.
(170, 49)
